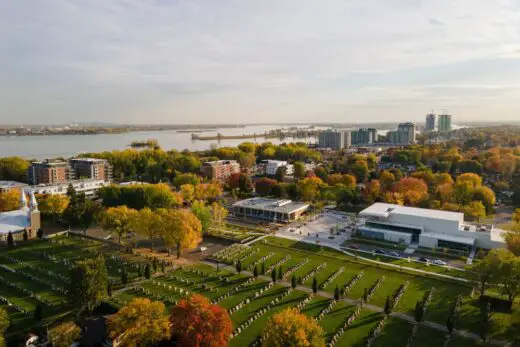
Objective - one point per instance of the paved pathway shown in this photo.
(370, 307)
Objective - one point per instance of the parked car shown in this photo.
(424, 260)
(353, 247)
(379, 251)
(394, 254)
(439, 262)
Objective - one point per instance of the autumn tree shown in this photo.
(146, 223)
(119, 220)
(140, 323)
(13, 169)
(4, 324)
(293, 329)
(218, 215)
(474, 210)
(265, 185)
(360, 170)
(195, 322)
(516, 216)
(187, 192)
(387, 179)
(486, 196)
(509, 274)
(10, 200)
(64, 334)
(345, 179)
(299, 169)
(412, 190)
(513, 240)
(52, 205)
(474, 179)
(180, 228)
(88, 283)
(308, 188)
(372, 191)
(203, 213)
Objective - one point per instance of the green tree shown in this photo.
(147, 272)
(273, 275)
(262, 271)
(10, 240)
(336, 293)
(280, 173)
(203, 213)
(280, 273)
(388, 305)
(124, 276)
(294, 284)
(419, 311)
(89, 280)
(255, 271)
(120, 220)
(314, 285)
(14, 169)
(238, 266)
(486, 271)
(299, 169)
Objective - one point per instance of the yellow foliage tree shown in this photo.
(140, 323)
(188, 192)
(52, 205)
(146, 223)
(290, 328)
(180, 228)
(473, 178)
(218, 215)
(10, 200)
(64, 334)
(120, 220)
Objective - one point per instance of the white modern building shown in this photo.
(88, 187)
(270, 209)
(272, 166)
(427, 228)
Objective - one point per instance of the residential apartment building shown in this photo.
(430, 122)
(49, 172)
(335, 139)
(91, 168)
(220, 169)
(404, 135)
(444, 123)
(272, 166)
(88, 187)
(363, 136)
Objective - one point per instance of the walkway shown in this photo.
(370, 307)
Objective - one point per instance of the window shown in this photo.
(396, 228)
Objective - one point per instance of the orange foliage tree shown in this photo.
(292, 328)
(413, 190)
(195, 322)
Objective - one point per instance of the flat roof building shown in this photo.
(6, 186)
(91, 168)
(335, 139)
(88, 187)
(270, 209)
(427, 228)
(271, 166)
(49, 172)
(444, 124)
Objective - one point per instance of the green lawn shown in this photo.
(394, 334)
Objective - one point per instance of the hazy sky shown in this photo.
(240, 61)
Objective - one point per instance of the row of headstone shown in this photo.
(294, 268)
(313, 272)
(352, 282)
(7, 302)
(256, 295)
(234, 290)
(247, 255)
(332, 277)
(35, 278)
(230, 253)
(326, 310)
(278, 263)
(415, 329)
(259, 261)
(374, 287)
(400, 293)
(347, 323)
(376, 332)
(260, 313)
(26, 291)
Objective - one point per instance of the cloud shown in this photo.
(245, 61)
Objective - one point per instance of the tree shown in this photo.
(197, 322)
(4, 324)
(140, 323)
(10, 240)
(124, 276)
(203, 213)
(419, 311)
(273, 275)
(264, 186)
(486, 322)
(463, 192)
(25, 235)
(450, 324)
(308, 188)
(255, 271)
(186, 178)
(88, 280)
(14, 169)
(146, 223)
(38, 313)
(147, 272)
(238, 266)
(413, 190)
(280, 273)
(508, 274)
(388, 305)
(293, 329)
(180, 228)
(365, 295)
(91, 210)
(486, 196)
(321, 173)
(336, 293)
(360, 170)
(188, 192)
(516, 216)
(299, 169)
(474, 179)
(120, 220)
(262, 271)
(387, 179)
(64, 334)
(485, 271)
(52, 205)
(218, 215)
(294, 284)
(10, 200)
(314, 285)
(372, 191)
(475, 210)
(280, 173)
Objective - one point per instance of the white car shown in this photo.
(439, 262)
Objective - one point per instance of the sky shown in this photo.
(255, 61)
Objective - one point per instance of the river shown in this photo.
(42, 147)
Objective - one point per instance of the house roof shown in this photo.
(384, 210)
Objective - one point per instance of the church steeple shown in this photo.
(34, 203)
(23, 200)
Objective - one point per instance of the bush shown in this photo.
(496, 304)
